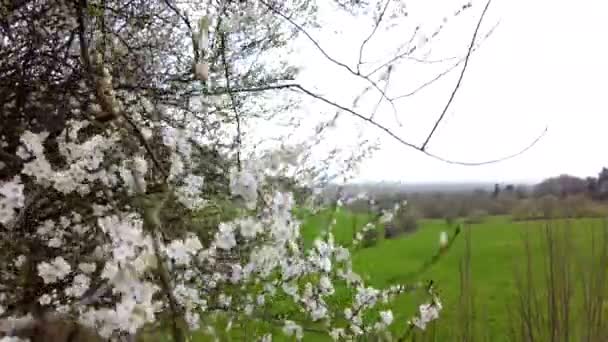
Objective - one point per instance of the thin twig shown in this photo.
(388, 77)
(312, 40)
(232, 100)
(187, 22)
(376, 25)
(84, 51)
(445, 72)
(411, 145)
(383, 128)
(331, 59)
(464, 68)
(406, 53)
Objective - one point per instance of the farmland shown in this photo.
(497, 253)
(480, 304)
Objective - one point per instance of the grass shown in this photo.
(500, 281)
(499, 249)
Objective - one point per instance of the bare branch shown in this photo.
(493, 161)
(407, 52)
(187, 22)
(409, 144)
(333, 60)
(445, 72)
(388, 77)
(381, 127)
(232, 100)
(464, 68)
(376, 25)
(312, 40)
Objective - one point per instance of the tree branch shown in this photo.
(331, 59)
(464, 68)
(232, 99)
(445, 72)
(376, 25)
(385, 129)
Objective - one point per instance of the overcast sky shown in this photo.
(546, 64)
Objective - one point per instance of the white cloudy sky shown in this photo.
(545, 65)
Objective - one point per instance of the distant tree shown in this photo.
(562, 186)
(526, 209)
(521, 192)
(591, 185)
(370, 238)
(404, 221)
(602, 185)
(476, 216)
(450, 218)
(496, 190)
(549, 206)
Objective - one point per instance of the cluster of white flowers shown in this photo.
(84, 161)
(428, 312)
(113, 286)
(243, 183)
(443, 239)
(11, 199)
(292, 329)
(53, 271)
(361, 233)
(189, 194)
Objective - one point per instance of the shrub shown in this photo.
(476, 216)
(581, 206)
(370, 238)
(593, 209)
(404, 221)
(450, 218)
(526, 210)
(408, 222)
(549, 206)
(391, 231)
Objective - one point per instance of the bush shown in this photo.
(405, 221)
(550, 206)
(408, 222)
(391, 231)
(526, 210)
(476, 216)
(580, 206)
(450, 218)
(370, 238)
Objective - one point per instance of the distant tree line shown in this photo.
(561, 196)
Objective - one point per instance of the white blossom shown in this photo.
(337, 333)
(443, 239)
(45, 299)
(79, 285)
(20, 260)
(190, 193)
(87, 267)
(244, 184)
(224, 238)
(250, 227)
(290, 328)
(386, 317)
(427, 312)
(11, 199)
(54, 271)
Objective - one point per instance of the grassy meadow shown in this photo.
(501, 280)
(483, 278)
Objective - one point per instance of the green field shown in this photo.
(496, 253)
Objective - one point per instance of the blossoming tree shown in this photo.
(121, 128)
